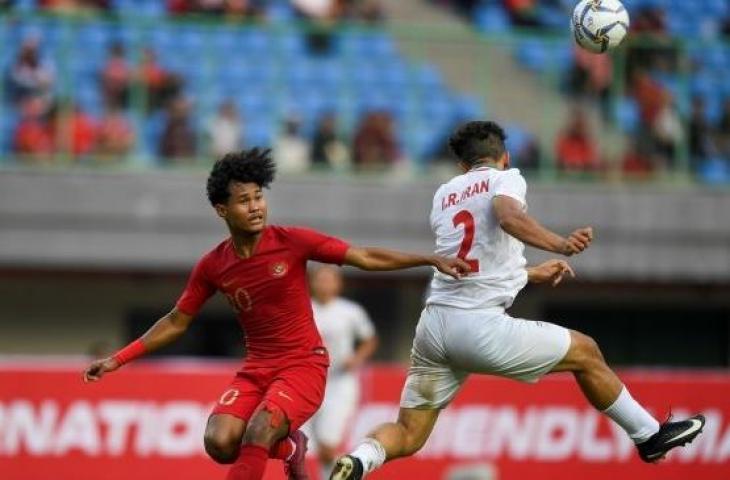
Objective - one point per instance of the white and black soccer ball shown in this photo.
(599, 25)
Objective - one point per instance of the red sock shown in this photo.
(250, 465)
(282, 449)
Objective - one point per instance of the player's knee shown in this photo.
(221, 446)
(587, 352)
(267, 426)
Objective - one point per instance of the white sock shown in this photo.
(632, 417)
(371, 453)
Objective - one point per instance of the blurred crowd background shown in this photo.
(345, 85)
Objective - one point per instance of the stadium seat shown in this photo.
(492, 18)
(626, 114)
(715, 171)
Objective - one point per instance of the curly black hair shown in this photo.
(247, 166)
(474, 141)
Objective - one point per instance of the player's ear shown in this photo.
(221, 210)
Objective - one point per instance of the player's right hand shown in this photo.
(578, 241)
(98, 368)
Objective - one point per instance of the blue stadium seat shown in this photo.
(467, 107)
(492, 18)
(626, 114)
(259, 133)
(8, 123)
(533, 55)
(715, 171)
(255, 42)
(517, 138)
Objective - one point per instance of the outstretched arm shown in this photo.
(381, 259)
(165, 331)
(513, 220)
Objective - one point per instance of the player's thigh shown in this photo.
(297, 392)
(431, 380)
(231, 413)
(497, 344)
(340, 401)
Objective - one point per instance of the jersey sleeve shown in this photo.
(512, 184)
(320, 247)
(362, 324)
(197, 291)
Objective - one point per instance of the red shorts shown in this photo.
(296, 387)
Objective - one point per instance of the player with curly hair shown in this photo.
(261, 269)
(481, 216)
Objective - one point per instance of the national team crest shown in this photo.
(278, 269)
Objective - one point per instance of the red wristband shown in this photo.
(134, 350)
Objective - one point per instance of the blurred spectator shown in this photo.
(328, 150)
(667, 130)
(524, 13)
(575, 146)
(29, 77)
(651, 46)
(161, 85)
(649, 95)
(116, 135)
(661, 125)
(527, 157)
(591, 76)
(33, 135)
(224, 131)
(75, 6)
(178, 138)
(74, 131)
(244, 9)
(322, 10)
(369, 11)
(375, 144)
(637, 161)
(116, 78)
(722, 135)
(700, 140)
(291, 150)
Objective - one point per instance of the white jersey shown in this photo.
(465, 225)
(341, 322)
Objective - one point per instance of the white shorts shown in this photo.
(328, 426)
(451, 343)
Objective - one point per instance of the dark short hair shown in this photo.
(247, 166)
(477, 140)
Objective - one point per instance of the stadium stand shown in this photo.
(269, 72)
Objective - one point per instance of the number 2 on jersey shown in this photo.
(467, 219)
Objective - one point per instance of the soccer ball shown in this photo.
(599, 25)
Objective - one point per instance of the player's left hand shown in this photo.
(551, 271)
(454, 267)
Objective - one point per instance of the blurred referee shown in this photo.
(350, 337)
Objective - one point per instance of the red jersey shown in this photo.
(268, 290)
